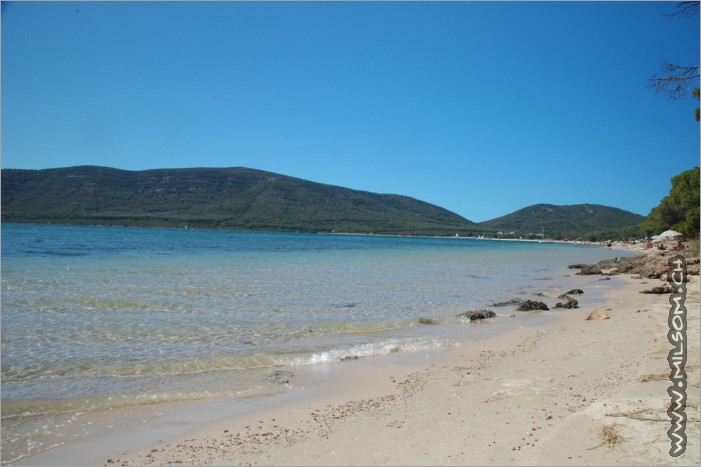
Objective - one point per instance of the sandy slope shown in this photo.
(532, 396)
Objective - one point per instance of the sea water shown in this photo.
(97, 318)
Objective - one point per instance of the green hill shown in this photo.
(234, 198)
(574, 221)
(247, 199)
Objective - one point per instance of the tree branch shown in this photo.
(679, 80)
(685, 10)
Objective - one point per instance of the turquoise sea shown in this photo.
(98, 318)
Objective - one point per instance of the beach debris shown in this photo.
(531, 305)
(654, 377)
(476, 315)
(349, 357)
(611, 434)
(596, 314)
(280, 377)
(575, 292)
(569, 304)
(662, 289)
(428, 321)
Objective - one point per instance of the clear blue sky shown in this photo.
(479, 107)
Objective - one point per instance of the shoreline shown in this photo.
(503, 400)
(314, 232)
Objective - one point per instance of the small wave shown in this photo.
(378, 349)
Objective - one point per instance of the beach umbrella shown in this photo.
(671, 234)
(667, 235)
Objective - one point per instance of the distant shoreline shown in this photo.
(566, 242)
(359, 234)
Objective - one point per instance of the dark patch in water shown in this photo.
(513, 301)
(472, 276)
(53, 253)
(428, 321)
(344, 305)
(280, 377)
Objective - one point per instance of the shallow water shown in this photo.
(96, 318)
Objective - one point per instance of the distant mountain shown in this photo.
(235, 198)
(247, 199)
(564, 221)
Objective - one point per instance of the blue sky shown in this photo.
(479, 107)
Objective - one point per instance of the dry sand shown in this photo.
(574, 392)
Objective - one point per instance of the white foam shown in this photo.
(377, 349)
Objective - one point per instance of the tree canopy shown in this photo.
(680, 209)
